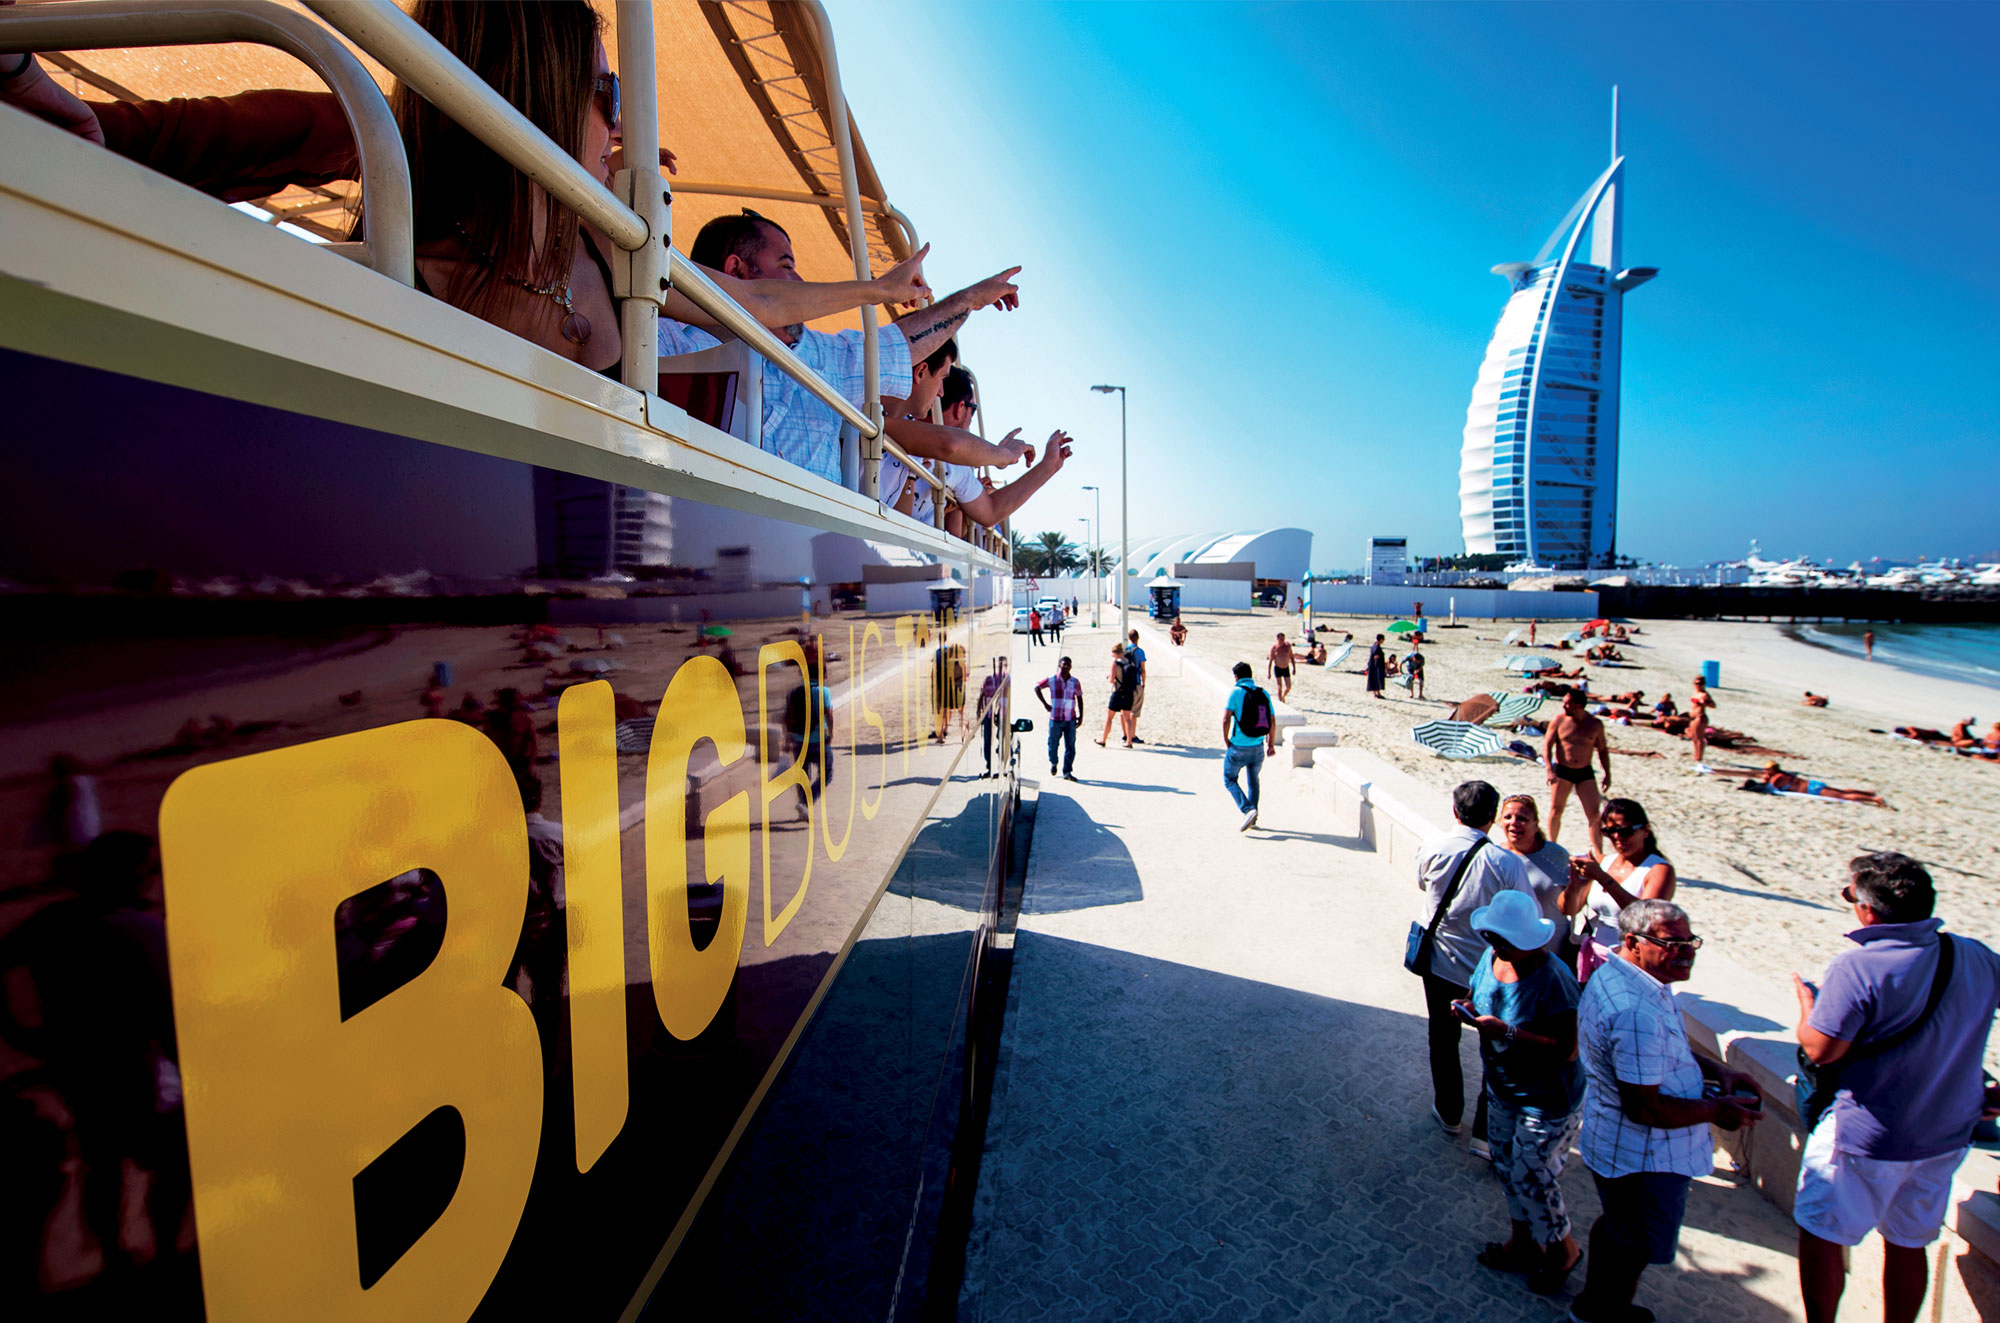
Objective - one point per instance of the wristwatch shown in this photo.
(1510, 1033)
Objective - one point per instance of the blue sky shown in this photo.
(1274, 224)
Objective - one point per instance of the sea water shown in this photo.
(1953, 652)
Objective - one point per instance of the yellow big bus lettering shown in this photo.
(823, 713)
(792, 778)
(689, 985)
(287, 1102)
(594, 916)
(870, 807)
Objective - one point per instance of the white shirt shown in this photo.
(796, 426)
(1629, 1028)
(1494, 870)
(961, 480)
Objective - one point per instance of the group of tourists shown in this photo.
(1582, 1042)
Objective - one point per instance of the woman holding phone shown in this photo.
(1523, 1003)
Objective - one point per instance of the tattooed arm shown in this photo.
(927, 328)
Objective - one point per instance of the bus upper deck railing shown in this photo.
(638, 223)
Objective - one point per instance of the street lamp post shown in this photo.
(1124, 519)
(1096, 570)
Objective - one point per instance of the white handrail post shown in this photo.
(857, 239)
(642, 272)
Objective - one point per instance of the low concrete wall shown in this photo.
(1362, 599)
(1732, 1016)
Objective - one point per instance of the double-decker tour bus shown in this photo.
(481, 840)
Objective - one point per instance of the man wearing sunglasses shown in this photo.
(1903, 1015)
(1645, 1117)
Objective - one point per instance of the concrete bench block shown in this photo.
(1308, 739)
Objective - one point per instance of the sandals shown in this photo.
(1501, 1256)
(1551, 1278)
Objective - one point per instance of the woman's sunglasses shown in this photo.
(604, 91)
(1624, 829)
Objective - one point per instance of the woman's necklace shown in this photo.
(575, 327)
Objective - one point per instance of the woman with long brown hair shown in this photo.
(492, 241)
(1633, 869)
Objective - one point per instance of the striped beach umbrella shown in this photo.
(1339, 655)
(1515, 635)
(1515, 707)
(1458, 739)
(1527, 664)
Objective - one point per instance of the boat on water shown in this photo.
(487, 842)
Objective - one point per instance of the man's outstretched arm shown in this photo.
(992, 507)
(786, 302)
(927, 328)
(954, 445)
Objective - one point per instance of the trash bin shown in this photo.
(441, 674)
(1711, 674)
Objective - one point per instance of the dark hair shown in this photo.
(1474, 803)
(944, 353)
(957, 387)
(725, 237)
(1893, 885)
(538, 55)
(1635, 816)
(1242, 670)
(1064, 661)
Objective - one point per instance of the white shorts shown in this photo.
(1844, 1196)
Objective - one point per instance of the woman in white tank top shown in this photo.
(1633, 869)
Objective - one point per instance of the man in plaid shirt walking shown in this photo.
(1064, 713)
(1645, 1117)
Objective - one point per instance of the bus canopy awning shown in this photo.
(744, 105)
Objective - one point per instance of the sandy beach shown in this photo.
(1759, 873)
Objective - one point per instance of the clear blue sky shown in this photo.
(1274, 224)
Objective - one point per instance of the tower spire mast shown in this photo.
(1614, 121)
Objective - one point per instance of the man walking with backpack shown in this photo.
(1896, 1035)
(1249, 731)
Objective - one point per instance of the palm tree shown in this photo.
(1098, 560)
(1056, 553)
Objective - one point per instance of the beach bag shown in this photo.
(1256, 718)
(1817, 1085)
(1422, 941)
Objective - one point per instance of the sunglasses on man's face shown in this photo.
(604, 91)
(1673, 943)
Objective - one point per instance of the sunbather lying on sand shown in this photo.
(1923, 734)
(1962, 736)
(1814, 700)
(1778, 778)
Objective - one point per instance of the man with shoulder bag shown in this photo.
(1891, 1046)
(1459, 874)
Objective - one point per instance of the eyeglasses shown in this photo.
(1610, 830)
(1847, 894)
(604, 90)
(1672, 943)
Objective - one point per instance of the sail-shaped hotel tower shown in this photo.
(1538, 474)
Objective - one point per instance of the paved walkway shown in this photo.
(1212, 1097)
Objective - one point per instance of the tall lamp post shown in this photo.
(1096, 567)
(1124, 519)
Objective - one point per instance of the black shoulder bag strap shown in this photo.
(1450, 894)
(1819, 1084)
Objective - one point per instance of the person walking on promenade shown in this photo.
(1064, 714)
(1136, 656)
(1459, 874)
(1902, 1017)
(1645, 1117)
(1278, 665)
(993, 710)
(1378, 667)
(1635, 870)
(1545, 863)
(1700, 704)
(1523, 1004)
(1573, 738)
(1034, 624)
(1249, 731)
(1124, 679)
(1053, 622)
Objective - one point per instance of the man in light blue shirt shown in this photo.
(1136, 656)
(796, 425)
(1249, 731)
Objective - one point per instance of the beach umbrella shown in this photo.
(1527, 664)
(717, 632)
(1515, 707)
(593, 665)
(1338, 655)
(1403, 627)
(1515, 635)
(1476, 708)
(1458, 739)
(635, 735)
(1574, 636)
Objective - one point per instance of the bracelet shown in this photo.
(27, 59)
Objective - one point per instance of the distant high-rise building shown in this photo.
(586, 528)
(1538, 473)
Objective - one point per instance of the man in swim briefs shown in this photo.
(1278, 667)
(1573, 738)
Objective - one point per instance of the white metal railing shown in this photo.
(109, 24)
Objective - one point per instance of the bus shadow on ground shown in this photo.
(1097, 868)
(1169, 1142)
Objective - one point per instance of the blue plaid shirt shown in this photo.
(797, 426)
(1629, 1028)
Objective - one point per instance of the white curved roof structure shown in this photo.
(1279, 553)
(1538, 466)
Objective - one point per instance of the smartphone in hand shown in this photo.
(1463, 1010)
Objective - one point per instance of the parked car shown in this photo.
(1020, 620)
